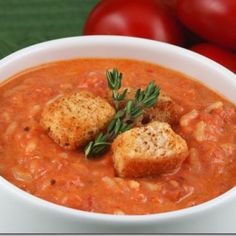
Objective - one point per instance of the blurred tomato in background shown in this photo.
(218, 54)
(171, 4)
(194, 24)
(214, 20)
(140, 18)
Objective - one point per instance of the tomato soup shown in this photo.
(32, 161)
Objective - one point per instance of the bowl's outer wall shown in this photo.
(24, 213)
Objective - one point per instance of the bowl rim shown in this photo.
(125, 219)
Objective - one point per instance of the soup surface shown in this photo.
(32, 161)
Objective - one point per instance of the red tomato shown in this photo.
(171, 4)
(139, 18)
(190, 37)
(214, 20)
(218, 54)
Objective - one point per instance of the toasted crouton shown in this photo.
(73, 120)
(149, 150)
(165, 109)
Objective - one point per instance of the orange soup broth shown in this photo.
(33, 162)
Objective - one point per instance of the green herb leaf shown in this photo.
(125, 117)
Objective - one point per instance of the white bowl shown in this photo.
(22, 212)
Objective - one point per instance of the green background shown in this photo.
(26, 22)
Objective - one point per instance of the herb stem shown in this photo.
(124, 117)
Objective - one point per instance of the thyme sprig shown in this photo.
(124, 117)
(114, 79)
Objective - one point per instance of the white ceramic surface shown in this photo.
(24, 213)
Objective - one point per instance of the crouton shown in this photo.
(165, 109)
(150, 150)
(73, 120)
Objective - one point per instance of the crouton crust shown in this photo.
(147, 151)
(73, 120)
(164, 110)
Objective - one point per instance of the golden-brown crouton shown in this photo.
(165, 109)
(149, 150)
(73, 120)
